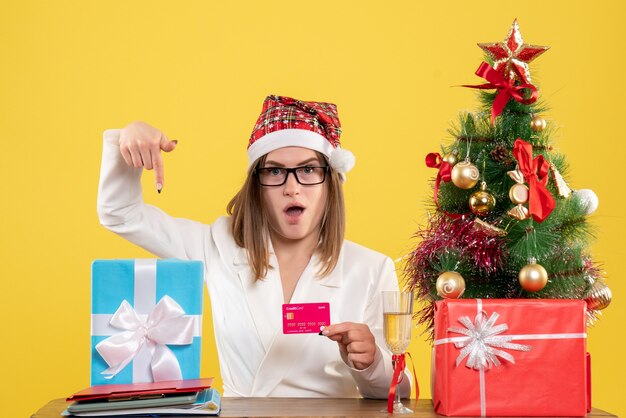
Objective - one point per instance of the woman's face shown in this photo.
(294, 210)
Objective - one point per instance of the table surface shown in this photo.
(300, 407)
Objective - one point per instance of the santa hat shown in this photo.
(287, 122)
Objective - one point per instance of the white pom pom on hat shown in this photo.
(342, 160)
(288, 122)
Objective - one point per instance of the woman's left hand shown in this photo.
(356, 342)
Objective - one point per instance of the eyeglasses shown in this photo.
(277, 176)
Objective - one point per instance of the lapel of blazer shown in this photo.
(263, 297)
(286, 349)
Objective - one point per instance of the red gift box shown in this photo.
(510, 357)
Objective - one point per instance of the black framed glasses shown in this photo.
(277, 176)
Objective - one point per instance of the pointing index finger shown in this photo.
(159, 172)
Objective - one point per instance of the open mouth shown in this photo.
(294, 210)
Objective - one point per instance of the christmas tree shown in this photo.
(504, 223)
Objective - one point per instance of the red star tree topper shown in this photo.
(511, 56)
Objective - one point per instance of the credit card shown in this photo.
(302, 318)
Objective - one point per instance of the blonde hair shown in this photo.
(250, 226)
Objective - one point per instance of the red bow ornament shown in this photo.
(535, 171)
(434, 160)
(506, 89)
(399, 363)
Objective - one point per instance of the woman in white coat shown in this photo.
(282, 243)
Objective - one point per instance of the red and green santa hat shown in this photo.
(287, 122)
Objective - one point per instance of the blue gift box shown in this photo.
(143, 284)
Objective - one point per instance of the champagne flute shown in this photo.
(397, 314)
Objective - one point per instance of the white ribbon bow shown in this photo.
(482, 342)
(166, 324)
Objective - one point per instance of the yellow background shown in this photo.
(200, 70)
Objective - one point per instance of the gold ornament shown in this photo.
(518, 193)
(516, 175)
(488, 229)
(482, 202)
(599, 297)
(533, 277)
(451, 158)
(465, 175)
(519, 212)
(450, 285)
(537, 124)
(561, 187)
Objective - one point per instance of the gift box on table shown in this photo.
(146, 320)
(510, 357)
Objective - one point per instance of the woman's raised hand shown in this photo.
(141, 146)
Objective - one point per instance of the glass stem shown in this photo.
(398, 400)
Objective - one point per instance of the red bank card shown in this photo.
(301, 318)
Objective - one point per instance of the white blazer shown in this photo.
(256, 358)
